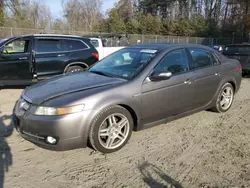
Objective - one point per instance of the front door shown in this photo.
(167, 98)
(16, 61)
(206, 68)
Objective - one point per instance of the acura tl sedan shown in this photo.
(132, 89)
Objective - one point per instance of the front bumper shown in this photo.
(71, 131)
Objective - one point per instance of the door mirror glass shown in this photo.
(161, 76)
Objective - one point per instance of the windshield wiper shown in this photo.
(102, 73)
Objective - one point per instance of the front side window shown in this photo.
(201, 58)
(49, 45)
(74, 45)
(175, 62)
(16, 46)
(125, 63)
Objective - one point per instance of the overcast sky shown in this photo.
(56, 9)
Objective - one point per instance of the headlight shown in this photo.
(51, 111)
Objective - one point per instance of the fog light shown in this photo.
(50, 140)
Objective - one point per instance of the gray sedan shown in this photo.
(133, 89)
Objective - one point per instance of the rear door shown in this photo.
(81, 52)
(207, 68)
(15, 60)
(50, 56)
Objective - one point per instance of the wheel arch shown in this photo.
(133, 114)
(81, 64)
(233, 84)
(230, 80)
(100, 106)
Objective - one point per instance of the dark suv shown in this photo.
(30, 58)
(241, 52)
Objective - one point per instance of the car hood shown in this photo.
(66, 84)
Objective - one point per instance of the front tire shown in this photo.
(111, 129)
(224, 99)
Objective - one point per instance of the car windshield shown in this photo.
(125, 63)
(2, 40)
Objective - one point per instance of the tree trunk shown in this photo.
(225, 15)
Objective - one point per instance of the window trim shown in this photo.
(191, 59)
(59, 38)
(217, 58)
(184, 49)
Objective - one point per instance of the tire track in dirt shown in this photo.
(150, 150)
(197, 151)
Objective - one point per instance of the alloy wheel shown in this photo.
(114, 131)
(226, 98)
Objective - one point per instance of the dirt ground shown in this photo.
(203, 150)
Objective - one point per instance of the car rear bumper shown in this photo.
(69, 131)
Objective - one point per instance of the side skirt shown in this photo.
(172, 118)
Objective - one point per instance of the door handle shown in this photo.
(23, 58)
(217, 74)
(60, 55)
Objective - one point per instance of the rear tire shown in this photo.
(74, 68)
(224, 99)
(111, 129)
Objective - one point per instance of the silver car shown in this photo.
(133, 89)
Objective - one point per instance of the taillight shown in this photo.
(96, 55)
(238, 68)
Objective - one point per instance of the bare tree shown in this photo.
(28, 13)
(82, 14)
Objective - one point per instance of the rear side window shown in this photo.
(74, 45)
(49, 45)
(202, 58)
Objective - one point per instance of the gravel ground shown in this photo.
(203, 150)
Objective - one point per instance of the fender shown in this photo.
(112, 100)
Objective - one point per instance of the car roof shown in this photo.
(50, 35)
(162, 46)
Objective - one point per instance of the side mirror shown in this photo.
(161, 76)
